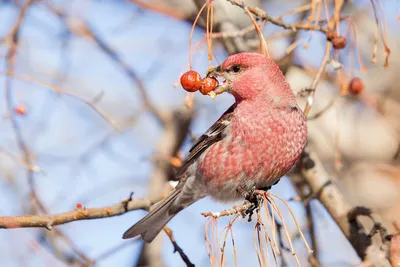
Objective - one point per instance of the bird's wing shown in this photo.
(214, 134)
(186, 191)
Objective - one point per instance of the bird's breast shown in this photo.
(272, 142)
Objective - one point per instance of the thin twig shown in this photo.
(177, 248)
(81, 28)
(10, 65)
(160, 7)
(234, 210)
(299, 9)
(73, 246)
(322, 111)
(113, 250)
(60, 90)
(15, 158)
(317, 78)
(130, 73)
(313, 258)
(277, 21)
(239, 33)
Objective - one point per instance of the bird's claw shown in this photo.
(253, 198)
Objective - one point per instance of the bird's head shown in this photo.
(247, 75)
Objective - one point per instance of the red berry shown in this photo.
(20, 109)
(330, 35)
(339, 42)
(191, 81)
(79, 206)
(356, 86)
(208, 85)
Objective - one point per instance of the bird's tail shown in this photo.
(149, 226)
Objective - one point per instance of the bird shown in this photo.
(251, 146)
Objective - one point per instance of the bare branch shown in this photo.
(162, 8)
(177, 248)
(277, 21)
(81, 28)
(234, 210)
(48, 221)
(321, 70)
(10, 66)
(59, 90)
(368, 248)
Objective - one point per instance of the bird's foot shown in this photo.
(247, 195)
(253, 198)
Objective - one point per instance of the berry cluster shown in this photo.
(191, 81)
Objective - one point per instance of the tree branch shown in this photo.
(373, 250)
(321, 70)
(177, 248)
(48, 221)
(277, 21)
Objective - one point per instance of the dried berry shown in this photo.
(208, 84)
(20, 109)
(330, 35)
(191, 81)
(356, 86)
(339, 42)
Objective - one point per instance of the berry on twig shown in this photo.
(356, 86)
(339, 42)
(191, 81)
(208, 84)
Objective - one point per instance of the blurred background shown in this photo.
(91, 110)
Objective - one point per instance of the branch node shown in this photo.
(49, 226)
(126, 201)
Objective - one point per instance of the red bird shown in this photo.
(251, 146)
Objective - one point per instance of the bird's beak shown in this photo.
(215, 73)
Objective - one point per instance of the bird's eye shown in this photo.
(236, 68)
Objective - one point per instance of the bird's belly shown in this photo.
(258, 164)
(240, 168)
(229, 190)
(223, 183)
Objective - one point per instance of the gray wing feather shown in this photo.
(187, 191)
(149, 226)
(214, 134)
(181, 197)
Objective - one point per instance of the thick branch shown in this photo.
(368, 248)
